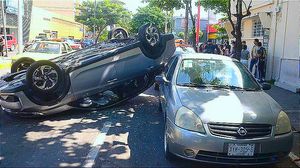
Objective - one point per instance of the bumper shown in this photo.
(19, 104)
(212, 149)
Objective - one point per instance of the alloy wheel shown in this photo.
(152, 35)
(45, 77)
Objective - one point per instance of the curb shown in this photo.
(294, 158)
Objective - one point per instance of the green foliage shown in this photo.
(106, 12)
(181, 35)
(148, 14)
(167, 5)
(219, 6)
(222, 33)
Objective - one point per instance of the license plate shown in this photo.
(241, 149)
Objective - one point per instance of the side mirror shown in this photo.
(161, 79)
(266, 86)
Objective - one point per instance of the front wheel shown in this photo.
(47, 82)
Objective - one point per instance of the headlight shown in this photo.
(187, 119)
(283, 124)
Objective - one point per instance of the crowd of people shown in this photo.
(255, 60)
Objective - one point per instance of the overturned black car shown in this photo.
(97, 77)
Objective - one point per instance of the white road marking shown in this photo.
(294, 158)
(90, 159)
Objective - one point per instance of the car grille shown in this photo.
(231, 130)
(224, 158)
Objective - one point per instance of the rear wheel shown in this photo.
(118, 33)
(21, 64)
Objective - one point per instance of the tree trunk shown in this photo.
(194, 25)
(186, 28)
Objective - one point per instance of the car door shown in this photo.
(165, 89)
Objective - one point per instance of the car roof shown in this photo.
(205, 56)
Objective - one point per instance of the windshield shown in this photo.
(215, 73)
(44, 47)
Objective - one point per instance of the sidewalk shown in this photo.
(290, 102)
(5, 63)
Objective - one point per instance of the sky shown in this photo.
(133, 5)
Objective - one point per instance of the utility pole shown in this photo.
(4, 25)
(20, 27)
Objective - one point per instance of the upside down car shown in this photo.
(96, 77)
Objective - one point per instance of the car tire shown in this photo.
(168, 155)
(47, 83)
(150, 38)
(112, 34)
(12, 48)
(21, 64)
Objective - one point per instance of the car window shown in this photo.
(69, 49)
(171, 70)
(9, 37)
(44, 47)
(208, 72)
(63, 48)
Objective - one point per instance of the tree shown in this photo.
(148, 14)
(105, 13)
(167, 7)
(180, 35)
(224, 6)
(222, 34)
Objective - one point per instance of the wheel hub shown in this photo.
(152, 35)
(45, 77)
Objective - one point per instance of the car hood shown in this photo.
(35, 56)
(226, 106)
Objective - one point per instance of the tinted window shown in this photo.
(205, 72)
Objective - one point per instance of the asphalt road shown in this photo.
(130, 135)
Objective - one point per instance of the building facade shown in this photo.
(179, 25)
(276, 23)
(47, 18)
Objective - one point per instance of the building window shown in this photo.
(257, 29)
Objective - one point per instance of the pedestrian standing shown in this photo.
(254, 58)
(261, 52)
(245, 54)
(1, 46)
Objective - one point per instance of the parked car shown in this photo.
(40, 50)
(87, 42)
(74, 45)
(97, 77)
(11, 42)
(216, 112)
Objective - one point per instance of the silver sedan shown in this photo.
(216, 112)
